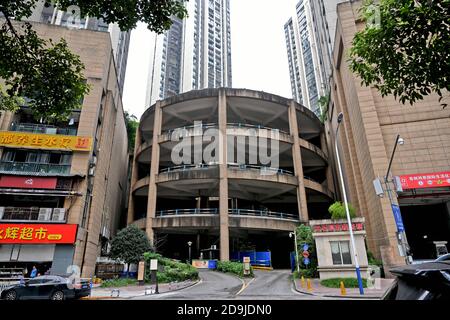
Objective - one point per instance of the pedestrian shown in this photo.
(22, 279)
(34, 272)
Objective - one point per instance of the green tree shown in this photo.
(47, 73)
(404, 48)
(337, 211)
(129, 245)
(132, 124)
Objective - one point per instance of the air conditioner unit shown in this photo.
(2, 211)
(59, 214)
(44, 214)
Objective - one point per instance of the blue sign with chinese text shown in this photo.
(398, 218)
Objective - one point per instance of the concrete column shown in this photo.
(223, 176)
(298, 168)
(134, 178)
(154, 171)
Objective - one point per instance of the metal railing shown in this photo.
(186, 167)
(239, 212)
(196, 211)
(40, 168)
(260, 168)
(263, 213)
(43, 129)
(32, 214)
(229, 125)
(254, 126)
(236, 166)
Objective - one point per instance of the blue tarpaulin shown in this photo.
(262, 258)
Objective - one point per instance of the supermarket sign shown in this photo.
(44, 141)
(38, 233)
(425, 180)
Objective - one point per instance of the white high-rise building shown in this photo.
(195, 53)
(309, 38)
(72, 18)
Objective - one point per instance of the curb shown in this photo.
(334, 296)
(138, 295)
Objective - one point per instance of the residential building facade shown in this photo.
(62, 185)
(366, 140)
(309, 34)
(195, 53)
(72, 18)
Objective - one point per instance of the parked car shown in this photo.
(47, 287)
(426, 281)
(445, 257)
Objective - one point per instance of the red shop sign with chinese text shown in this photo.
(337, 227)
(38, 233)
(425, 180)
(27, 182)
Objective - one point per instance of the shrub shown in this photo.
(304, 236)
(173, 271)
(337, 211)
(348, 282)
(236, 268)
(121, 282)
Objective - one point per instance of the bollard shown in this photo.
(343, 290)
(309, 285)
(303, 282)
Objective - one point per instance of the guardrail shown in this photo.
(28, 167)
(239, 212)
(263, 213)
(43, 129)
(229, 125)
(260, 168)
(176, 212)
(230, 165)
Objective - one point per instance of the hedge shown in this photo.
(173, 271)
(236, 268)
(348, 282)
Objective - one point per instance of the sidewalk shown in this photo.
(352, 293)
(99, 293)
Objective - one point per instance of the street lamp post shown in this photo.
(296, 249)
(349, 221)
(190, 244)
(400, 233)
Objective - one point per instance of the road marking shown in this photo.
(244, 286)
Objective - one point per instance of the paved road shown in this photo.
(267, 285)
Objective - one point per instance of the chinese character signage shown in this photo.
(38, 233)
(337, 227)
(425, 180)
(44, 141)
(27, 182)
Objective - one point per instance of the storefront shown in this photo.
(49, 247)
(425, 209)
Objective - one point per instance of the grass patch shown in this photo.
(236, 268)
(173, 271)
(348, 282)
(120, 282)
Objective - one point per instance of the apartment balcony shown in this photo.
(33, 214)
(43, 129)
(35, 169)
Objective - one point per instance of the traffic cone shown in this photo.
(303, 282)
(309, 285)
(343, 290)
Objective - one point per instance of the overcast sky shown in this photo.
(259, 58)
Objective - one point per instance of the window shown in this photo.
(340, 252)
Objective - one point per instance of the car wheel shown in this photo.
(58, 295)
(10, 295)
